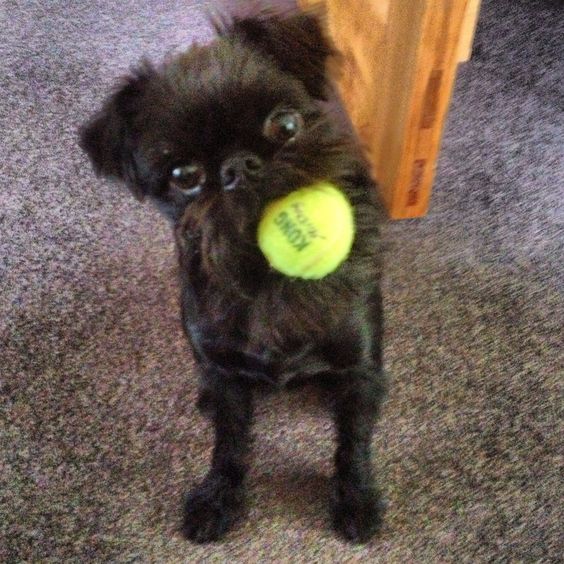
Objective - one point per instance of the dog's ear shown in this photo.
(109, 137)
(297, 43)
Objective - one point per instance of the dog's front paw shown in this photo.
(210, 511)
(359, 517)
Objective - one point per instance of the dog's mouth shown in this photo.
(231, 217)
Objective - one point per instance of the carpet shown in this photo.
(99, 438)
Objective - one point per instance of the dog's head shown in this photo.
(219, 119)
(214, 134)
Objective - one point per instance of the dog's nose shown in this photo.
(238, 167)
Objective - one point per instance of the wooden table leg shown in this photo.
(400, 59)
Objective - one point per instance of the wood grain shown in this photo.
(468, 30)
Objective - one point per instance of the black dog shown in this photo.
(211, 137)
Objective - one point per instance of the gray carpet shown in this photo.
(98, 434)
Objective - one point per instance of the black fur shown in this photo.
(249, 325)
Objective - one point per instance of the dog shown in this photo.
(211, 136)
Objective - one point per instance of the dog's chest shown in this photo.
(265, 339)
(254, 351)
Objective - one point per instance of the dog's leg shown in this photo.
(358, 509)
(214, 506)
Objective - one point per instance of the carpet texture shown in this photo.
(98, 434)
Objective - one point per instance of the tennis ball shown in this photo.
(308, 233)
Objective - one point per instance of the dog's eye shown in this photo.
(283, 125)
(188, 178)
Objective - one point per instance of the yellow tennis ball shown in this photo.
(308, 233)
